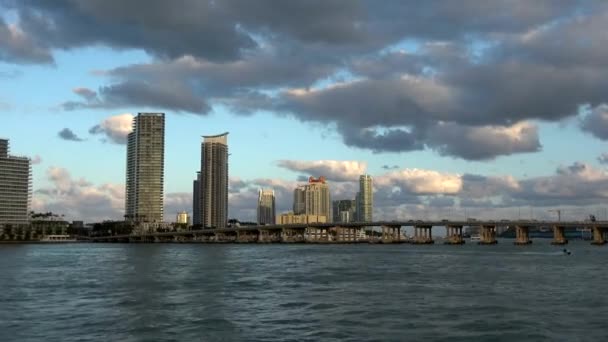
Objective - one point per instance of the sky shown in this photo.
(486, 109)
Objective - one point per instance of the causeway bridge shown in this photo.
(360, 232)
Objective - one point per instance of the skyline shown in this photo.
(503, 115)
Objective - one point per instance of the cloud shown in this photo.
(595, 122)
(79, 198)
(485, 142)
(143, 94)
(603, 158)
(333, 170)
(417, 181)
(114, 128)
(10, 74)
(17, 46)
(390, 167)
(175, 203)
(578, 184)
(468, 71)
(67, 134)
(37, 160)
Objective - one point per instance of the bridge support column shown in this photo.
(559, 237)
(263, 236)
(522, 235)
(391, 234)
(454, 235)
(488, 235)
(598, 236)
(423, 235)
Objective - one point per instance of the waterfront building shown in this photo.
(266, 207)
(145, 169)
(182, 218)
(15, 187)
(313, 198)
(214, 181)
(196, 200)
(292, 218)
(299, 200)
(344, 210)
(365, 199)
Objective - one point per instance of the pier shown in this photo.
(363, 232)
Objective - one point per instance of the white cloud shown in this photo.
(335, 170)
(417, 181)
(78, 198)
(115, 128)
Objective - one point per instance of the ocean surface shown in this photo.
(197, 292)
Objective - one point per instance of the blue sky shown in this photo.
(430, 102)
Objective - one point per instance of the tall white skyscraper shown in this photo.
(214, 181)
(266, 207)
(365, 199)
(15, 187)
(145, 169)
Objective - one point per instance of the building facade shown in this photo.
(266, 207)
(145, 169)
(313, 199)
(365, 199)
(291, 218)
(214, 181)
(196, 200)
(15, 187)
(344, 210)
(182, 218)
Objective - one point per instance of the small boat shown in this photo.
(57, 238)
(474, 238)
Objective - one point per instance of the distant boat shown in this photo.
(475, 237)
(57, 238)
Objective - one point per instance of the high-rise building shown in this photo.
(15, 187)
(344, 210)
(214, 181)
(313, 198)
(266, 207)
(182, 218)
(299, 200)
(196, 200)
(145, 168)
(365, 199)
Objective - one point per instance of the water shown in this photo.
(169, 292)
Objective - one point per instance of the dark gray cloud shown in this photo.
(468, 67)
(142, 94)
(19, 47)
(67, 134)
(485, 142)
(595, 122)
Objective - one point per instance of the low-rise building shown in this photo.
(291, 218)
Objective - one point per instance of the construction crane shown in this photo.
(559, 213)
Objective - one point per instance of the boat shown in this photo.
(475, 238)
(57, 238)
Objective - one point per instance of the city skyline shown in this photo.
(453, 115)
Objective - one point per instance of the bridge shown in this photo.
(355, 232)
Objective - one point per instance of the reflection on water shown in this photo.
(80, 292)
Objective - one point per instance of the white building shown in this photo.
(15, 187)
